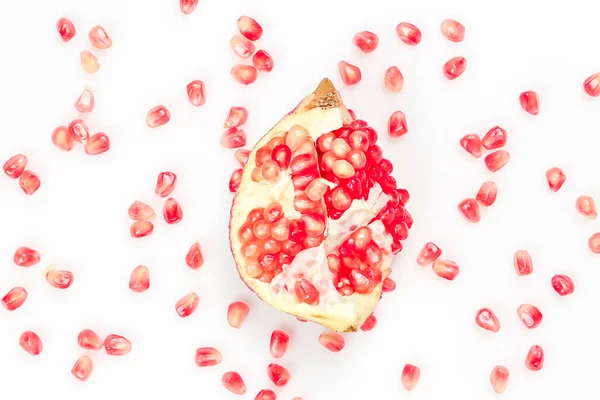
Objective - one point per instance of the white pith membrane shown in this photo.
(319, 113)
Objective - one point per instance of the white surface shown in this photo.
(78, 219)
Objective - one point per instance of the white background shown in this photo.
(78, 218)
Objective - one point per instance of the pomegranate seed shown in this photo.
(393, 79)
(15, 166)
(366, 41)
(494, 139)
(241, 155)
(89, 62)
(445, 269)
(208, 356)
(88, 339)
(472, 144)
(98, 144)
(235, 180)
(65, 29)
(454, 67)
(59, 279)
(187, 6)
(141, 228)
(187, 305)
(486, 196)
(263, 61)
(79, 131)
(397, 124)
(278, 375)
(388, 285)
(523, 263)
(530, 102)
(429, 253)
(233, 138)
(116, 345)
(452, 30)
(332, 341)
(14, 298)
(499, 378)
(237, 313)
(410, 376)
(139, 280)
(196, 93)
(61, 137)
(29, 182)
(234, 383)
(370, 323)
(194, 258)
(408, 33)
(99, 38)
(266, 394)
(306, 292)
(237, 117)
(586, 207)
(242, 46)
(83, 368)
(172, 211)
(249, 28)
(530, 315)
(535, 358)
(85, 101)
(316, 189)
(279, 343)
(486, 319)
(165, 184)
(497, 160)
(158, 116)
(244, 74)
(592, 85)
(26, 257)
(563, 285)
(139, 211)
(31, 343)
(469, 208)
(556, 177)
(350, 74)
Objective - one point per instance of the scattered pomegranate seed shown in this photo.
(26, 257)
(454, 67)
(15, 166)
(397, 124)
(139, 211)
(234, 383)
(85, 101)
(586, 207)
(29, 182)
(237, 313)
(99, 38)
(61, 137)
(393, 79)
(139, 280)
(31, 343)
(279, 343)
(556, 177)
(236, 117)
(563, 285)
(165, 184)
(486, 196)
(497, 160)
(350, 74)
(187, 6)
(408, 33)
(469, 208)
(366, 41)
(263, 61)
(241, 155)
(242, 46)
(530, 315)
(486, 319)
(266, 394)
(244, 74)
(249, 28)
(594, 243)
(65, 29)
(158, 116)
(445, 269)
(141, 228)
(14, 298)
(278, 375)
(494, 139)
(452, 30)
(172, 211)
(530, 102)
(83, 368)
(472, 144)
(233, 138)
(523, 263)
(332, 341)
(535, 358)
(429, 253)
(410, 376)
(235, 180)
(98, 144)
(370, 323)
(196, 93)
(88, 339)
(79, 131)
(116, 345)
(499, 378)
(208, 356)
(59, 279)
(592, 85)
(388, 285)
(187, 305)
(194, 258)
(89, 62)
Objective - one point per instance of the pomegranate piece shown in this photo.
(249, 28)
(165, 184)
(233, 138)
(523, 263)
(89, 62)
(486, 196)
(454, 67)
(586, 207)
(499, 378)
(187, 305)
(139, 281)
(79, 131)
(85, 101)
(497, 160)
(306, 292)
(279, 343)
(26, 257)
(263, 61)
(278, 375)
(194, 258)
(31, 343)
(410, 376)
(530, 102)
(29, 182)
(241, 155)
(332, 341)
(486, 319)
(408, 33)
(236, 117)
(97, 144)
(15, 166)
(445, 269)
(99, 38)
(592, 85)
(452, 30)
(366, 41)
(83, 368)
(172, 211)
(494, 139)
(65, 29)
(397, 124)
(370, 323)
(158, 116)
(116, 345)
(237, 313)
(594, 243)
(535, 358)
(393, 79)
(266, 394)
(140, 229)
(187, 6)
(234, 383)
(244, 74)
(530, 315)
(196, 93)
(563, 285)
(388, 285)
(472, 144)
(59, 279)
(429, 253)
(88, 339)
(469, 208)
(235, 180)
(139, 211)
(208, 356)
(61, 137)
(556, 177)
(242, 46)
(350, 74)
(14, 298)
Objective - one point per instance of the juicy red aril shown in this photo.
(234, 383)
(89, 62)
(445, 269)
(65, 29)
(61, 137)
(263, 61)
(452, 30)
(278, 375)
(408, 33)
(97, 144)
(26, 257)
(586, 207)
(235, 180)
(486, 196)
(187, 6)
(165, 184)
(242, 46)
(530, 102)
(454, 67)
(237, 313)
(393, 79)
(594, 243)
(31, 343)
(369, 323)
(282, 154)
(410, 376)
(194, 258)
(233, 138)
(139, 211)
(79, 131)
(14, 298)
(535, 358)
(15, 166)
(236, 117)
(332, 341)
(397, 124)
(244, 74)
(366, 41)
(486, 319)
(196, 93)
(140, 229)
(90, 340)
(306, 292)
(530, 315)
(99, 38)
(85, 101)
(556, 177)
(429, 253)
(592, 85)
(350, 74)
(499, 378)
(523, 263)
(388, 285)
(494, 139)
(249, 28)
(266, 394)
(208, 356)
(469, 208)
(139, 281)
(241, 155)
(29, 182)
(158, 116)
(563, 285)
(83, 368)
(172, 211)
(472, 144)
(59, 279)
(116, 345)
(187, 305)
(497, 160)
(279, 343)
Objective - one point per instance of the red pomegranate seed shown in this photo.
(563, 285)
(370, 323)
(29, 182)
(242, 46)
(530, 102)
(237, 117)
(266, 394)
(139, 281)
(408, 33)
(141, 228)
(486, 319)
(99, 38)
(586, 207)
(279, 343)
(410, 376)
(306, 292)
(172, 211)
(454, 67)
(116, 345)
(241, 155)
(59, 279)
(233, 138)
(244, 74)
(249, 28)
(530, 315)
(523, 263)
(592, 85)
(14, 298)
(85, 101)
(497, 160)
(388, 285)
(594, 243)
(350, 74)
(263, 61)
(88, 339)
(393, 79)
(158, 116)
(452, 30)
(494, 139)
(83, 368)
(208, 356)
(98, 144)
(187, 6)
(61, 137)
(65, 29)
(499, 378)
(26, 257)
(194, 258)
(187, 305)
(332, 341)
(139, 211)
(235, 180)
(237, 313)
(429, 253)
(472, 144)
(556, 177)
(278, 375)
(79, 131)
(445, 269)
(31, 343)
(397, 124)
(165, 184)
(469, 208)
(89, 62)
(234, 383)
(196, 93)
(366, 41)
(535, 358)
(15, 166)
(486, 196)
